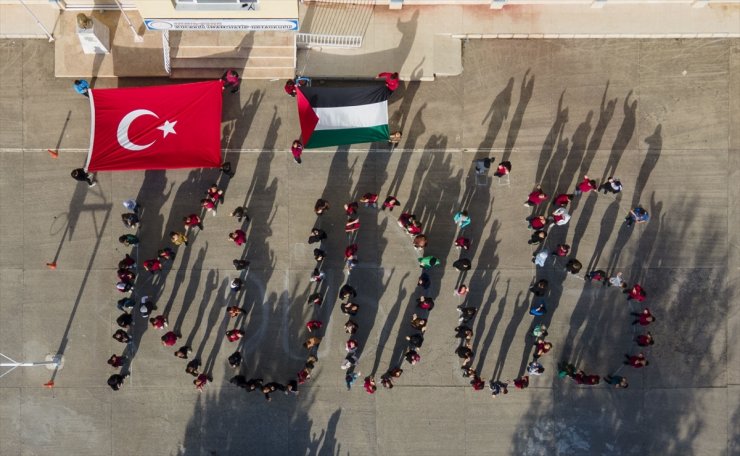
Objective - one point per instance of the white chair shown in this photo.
(481, 179)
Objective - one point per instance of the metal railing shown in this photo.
(337, 41)
(166, 51)
(138, 38)
(38, 22)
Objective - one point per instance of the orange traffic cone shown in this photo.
(53, 153)
(49, 384)
(52, 265)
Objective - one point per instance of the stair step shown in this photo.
(196, 38)
(220, 63)
(246, 73)
(233, 53)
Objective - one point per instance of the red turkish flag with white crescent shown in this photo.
(159, 127)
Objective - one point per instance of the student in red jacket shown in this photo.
(239, 237)
(233, 335)
(296, 149)
(562, 200)
(352, 225)
(369, 385)
(351, 208)
(369, 200)
(231, 80)
(314, 325)
(536, 197)
(169, 339)
(290, 87)
(503, 169)
(643, 340)
(636, 292)
(159, 322)
(561, 250)
(193, 220)
(153, 265)
(391, 80)
(582, 379)
(477, 383)
(585, 186)
(538, 222)
(644, 318)
(637, 361)
(390, 202)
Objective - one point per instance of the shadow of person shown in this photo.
(655, 147)
(624, 136)
(525, 94)
(498, 112)
(606, 112)
(549, 146)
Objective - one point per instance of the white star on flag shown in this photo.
(167, 127)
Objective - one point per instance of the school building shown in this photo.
(277, 39)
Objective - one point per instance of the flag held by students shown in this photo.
(334, 116)
(159, 127)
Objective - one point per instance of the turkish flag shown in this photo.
(160, 127)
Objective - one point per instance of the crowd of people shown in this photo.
(540, 222)
(414, 333)
(467, 313)
(127, 275)
(126, 284)
(540, 226)
(214, 197)
(348, 294)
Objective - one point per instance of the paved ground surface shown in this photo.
(662, 115)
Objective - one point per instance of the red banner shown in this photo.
(160, 127)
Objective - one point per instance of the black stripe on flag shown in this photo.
(337, 97)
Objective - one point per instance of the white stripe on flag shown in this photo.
(369, 115)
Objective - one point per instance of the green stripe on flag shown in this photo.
(326, 138)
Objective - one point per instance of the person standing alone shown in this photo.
(82, 87)
(81, 175)
(296, 149)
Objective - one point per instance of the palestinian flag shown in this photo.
(334, 116)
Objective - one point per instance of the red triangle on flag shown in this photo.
(306, 115)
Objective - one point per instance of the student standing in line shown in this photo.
(644, 318)
(611, 185)
(536, 197)
(637, 361)
(390, 202)
(585, 186)
(193, 221)
(644, 340)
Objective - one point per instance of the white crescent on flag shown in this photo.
(125, 124)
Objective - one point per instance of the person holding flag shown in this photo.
(296, 149)
(391, 80)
